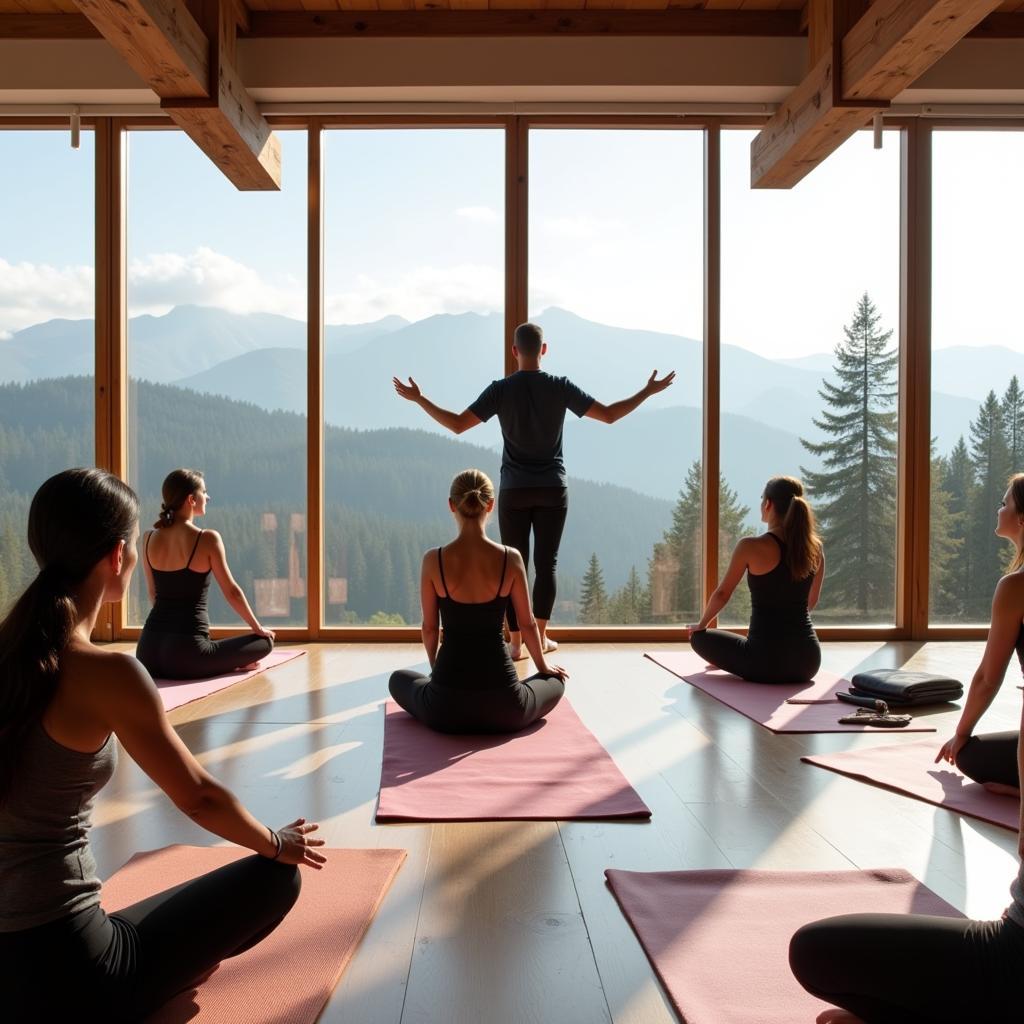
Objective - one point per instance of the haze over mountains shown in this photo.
(767, 404)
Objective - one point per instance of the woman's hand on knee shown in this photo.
(950, 750)
(296, 845)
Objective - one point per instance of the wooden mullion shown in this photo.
(314, 383)
(111, 413)
(517, 218)
(711, 406)
(914, 462)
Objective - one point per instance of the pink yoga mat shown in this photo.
(719, 940)
(289, 976)
(553, 771)
(910, 769)
(765, 703)
(175, 692)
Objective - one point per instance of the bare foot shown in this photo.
(517, 653)
(549, 645)
(1002, 789)
(836, 1016)
(250, 666)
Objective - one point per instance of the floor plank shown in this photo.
(512, 921)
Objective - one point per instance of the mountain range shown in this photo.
(767, 404)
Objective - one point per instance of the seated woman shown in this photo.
(913, 968)
(473, 686)
(785, 568)
(179, 557)
(992, 759)
(62, 702)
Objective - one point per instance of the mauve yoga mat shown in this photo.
(719, 940)
(910, 769)
(765, 703)
(553, 771)
(175, 692)
(289, 976)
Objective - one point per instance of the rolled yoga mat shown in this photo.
(910, 769)
(554, 770)
(719, 940)
(814, 707)
(176, 692)
(289, 976)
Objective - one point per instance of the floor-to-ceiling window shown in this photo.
(216, 297)
(616, 282)
(809, 374)
(414, 237)
(47, 333)
(977, 365)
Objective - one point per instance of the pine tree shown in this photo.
(990, 459)
(593, 598)
(858, 483)
(944, 543)
(1012, 407)
(958, 482)
(627, 606)
(674, 569)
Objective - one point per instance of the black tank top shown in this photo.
(778, 603)
(180, 605)
(473, 655)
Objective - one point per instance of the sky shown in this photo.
(414, 225)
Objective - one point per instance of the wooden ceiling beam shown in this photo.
(398, 24)
(882, 52)
(190, 65)
(454, 23)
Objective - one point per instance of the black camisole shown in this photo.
(473, 654)
(778, 603)
(180, 605)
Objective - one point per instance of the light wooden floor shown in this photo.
(511, 923)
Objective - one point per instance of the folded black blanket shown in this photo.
(903, 688)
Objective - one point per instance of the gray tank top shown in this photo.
(47, 870)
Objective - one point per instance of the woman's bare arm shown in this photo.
(233, 593)
(1007, 612)
(430, 630)
(130, 704)
(819, 578)
(720, 598)
(520, 596)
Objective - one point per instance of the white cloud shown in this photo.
(479, 214)
(31, 293)
(417, 294)
(160, 281)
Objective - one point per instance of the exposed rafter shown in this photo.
(889, 46)
(672, 21)
(191, 67)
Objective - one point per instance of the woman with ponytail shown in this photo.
(785, 567)
(179, 558)
(467, 586)
(991, 758)
(62, 702)
(910, 968)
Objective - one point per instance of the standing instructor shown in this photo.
(531, 405)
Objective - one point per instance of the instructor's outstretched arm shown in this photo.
(456, 422)
(615, 411)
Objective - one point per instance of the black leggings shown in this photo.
(499, 709)
(91, 967)
(179, 656)
(542, 509)
(785, 661)
(913, 969)
(991, 758)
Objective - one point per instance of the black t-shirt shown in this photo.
(530, 406)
